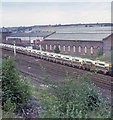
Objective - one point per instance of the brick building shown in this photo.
(26, 38)
(4, 32)
(83, 44)
(108, 43)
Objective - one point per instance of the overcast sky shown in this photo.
(61, 12)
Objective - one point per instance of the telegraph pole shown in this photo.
(14, 49)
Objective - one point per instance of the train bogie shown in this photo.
(33, 52)
(51, 57)
(39, 54)
(66, 60)
(44, 55)
(58, 58)
(76, 62)
(86, 64)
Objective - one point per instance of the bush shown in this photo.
(56, 50)
(73, 98)
(111, 48)
(106, 57)
(9, 109)
(99, 53)
(8, 105)
(14, 87)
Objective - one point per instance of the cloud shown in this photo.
(57, 0)
(18, 14)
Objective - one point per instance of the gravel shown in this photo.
(31, 109)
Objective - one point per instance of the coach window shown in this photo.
(59, 47)
(50, 47)
(46, 47)
(74, 49)
(91, 50)
(79, 49)
(68, 48)
(85, 49)
(64, 48)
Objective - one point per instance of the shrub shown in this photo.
(111, 48)
(8, 105)
(73, 98)
(14, 87)
(99, 53)
(56, 50)
(106, 57)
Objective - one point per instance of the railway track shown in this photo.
(102, 81)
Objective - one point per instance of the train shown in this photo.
(81, 63)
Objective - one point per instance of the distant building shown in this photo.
(26, 38)
(3, 33)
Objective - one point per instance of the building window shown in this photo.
(74, 49)
(85, 49)
(92, 50)
(50, 47)
(59, 47)
(68, 48)
(64, 48)
(54, 46)
(79, 49)
(46, 47)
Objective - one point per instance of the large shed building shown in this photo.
(108, 43)
(81, 44)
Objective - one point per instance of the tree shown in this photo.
(14, 87)
(56, 50)
(99, 53)
(111, 47)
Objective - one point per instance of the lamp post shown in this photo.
(14, 49)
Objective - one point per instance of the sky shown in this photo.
(45, 12)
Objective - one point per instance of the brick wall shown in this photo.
(81, 48)
(107, 43)
(17, 41)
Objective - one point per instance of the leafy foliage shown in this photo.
(14, 87)
(111, 48)
(72, 98)
(106, 57)
(56, 50)
(8, 105)
(99, 53)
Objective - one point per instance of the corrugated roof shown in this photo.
(78, 36)
(31, 34)
(82, 29)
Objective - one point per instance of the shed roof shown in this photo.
(31, 34)
(78, 36)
